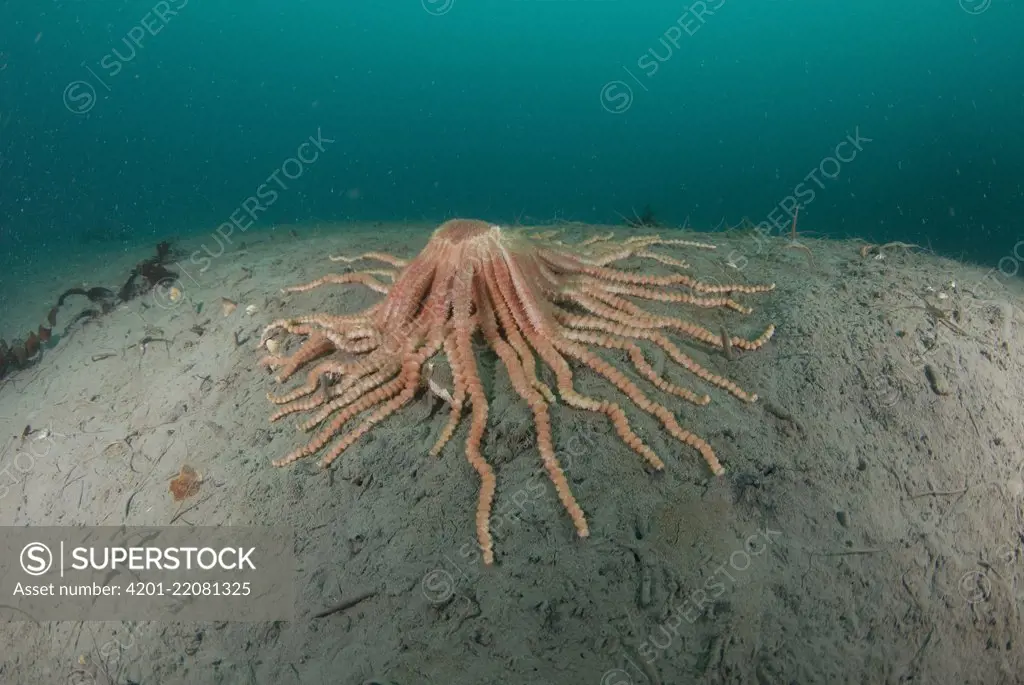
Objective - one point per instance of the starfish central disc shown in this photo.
(463, 230)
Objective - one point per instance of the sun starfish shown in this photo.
(523, 295)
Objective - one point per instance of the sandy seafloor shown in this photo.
(889, 502)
